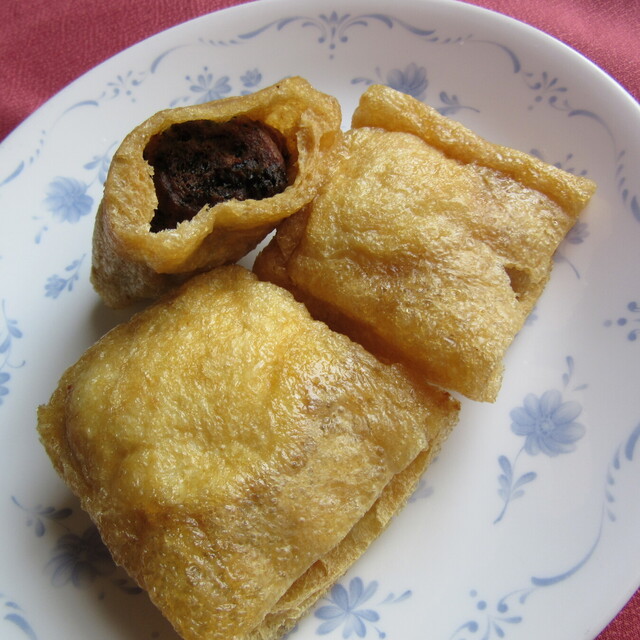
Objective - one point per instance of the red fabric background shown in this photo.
(45, 44)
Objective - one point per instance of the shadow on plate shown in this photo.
(76, 562)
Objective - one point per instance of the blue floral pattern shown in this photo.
(492, 621)
(73, 557)
(124, 84)
(548, 425)
(77, 559)
(628, 323)
(38, 516)
(332, 28)
(57, 284)
(630, 199)
(205, 86)
(565, 165)
(67, 199)
(15, 616)
(548, 88)
(544, 86)
(251, 79)
(100, 164)
(23, 164)
(413, 81)
(8, 334)
(346, 610)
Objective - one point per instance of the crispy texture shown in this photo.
(236, 455)
(131, 263)
(427, 244)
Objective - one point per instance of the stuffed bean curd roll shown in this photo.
(427, 243)
(236, 455)
(195, 187)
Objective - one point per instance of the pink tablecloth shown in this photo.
(45, 44)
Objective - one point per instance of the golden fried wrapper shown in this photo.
(131, 261)
(236, 455)
(427, 243)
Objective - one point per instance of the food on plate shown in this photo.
(195, 187)
(237, 455)
(427, 244)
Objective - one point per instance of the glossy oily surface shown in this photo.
(431, 242)
(225, 443)
(131, 261)
(532, 504)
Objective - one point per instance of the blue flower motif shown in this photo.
(11, 332)
(251, 78)
(124, 84)
(345, 609)
(451, 104)
(413, 80)
(208, 89)
(547, 86)
(80, 559)
(578, 233)
(67, 199)
(548, 424)
(56, 284)
(101, 163)
(4, 378)
(37, 516)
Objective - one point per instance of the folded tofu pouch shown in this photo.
(236, 455)
(427, 243)
(198, 186)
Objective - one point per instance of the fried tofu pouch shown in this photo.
(236, 455)
(428, 244)
(133, 262)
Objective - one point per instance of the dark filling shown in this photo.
(203, 162)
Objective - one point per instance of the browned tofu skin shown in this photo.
(279, 139)
(239, 473)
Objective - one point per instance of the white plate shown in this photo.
(510, 535)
